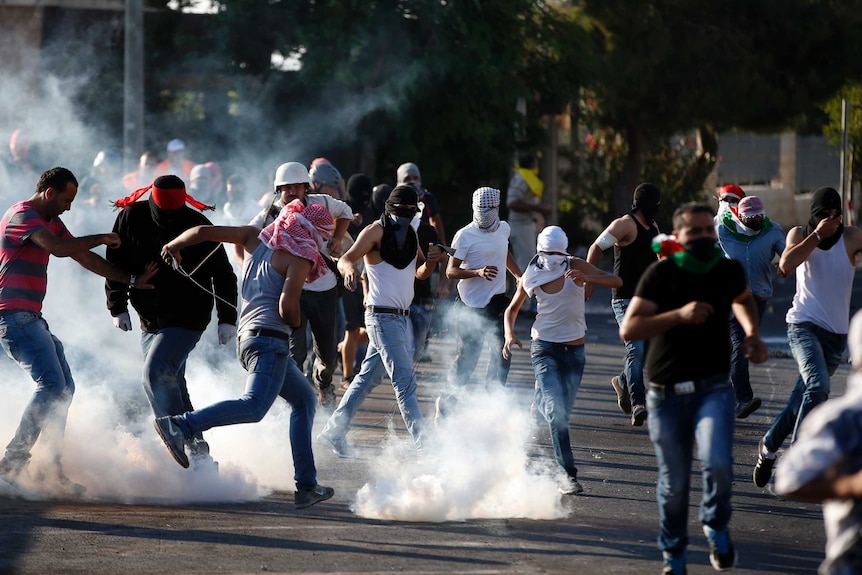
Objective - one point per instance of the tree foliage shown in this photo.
(670, 65)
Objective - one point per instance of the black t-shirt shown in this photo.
(691, 352)
(631, 261)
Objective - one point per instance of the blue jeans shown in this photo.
(558, 368)
(675, 422)
(271, 373)
(164, 381)
(632, 375)
(473, 325)
(739, 375)
(417, 329)
(387, 349)
(28, 341)
(818, 353)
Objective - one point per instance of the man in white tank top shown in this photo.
(823, 255)
(390, 249)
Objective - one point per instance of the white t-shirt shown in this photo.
(478, 249)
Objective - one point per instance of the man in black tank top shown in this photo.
(631, 237)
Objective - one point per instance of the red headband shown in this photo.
(167, 199)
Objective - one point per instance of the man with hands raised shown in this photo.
(823, 255)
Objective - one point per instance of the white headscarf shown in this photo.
(546, 266)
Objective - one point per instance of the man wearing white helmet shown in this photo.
(319, 300)
(408, 173)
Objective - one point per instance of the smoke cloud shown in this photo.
(477, 466)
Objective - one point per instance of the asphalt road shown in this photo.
(611, 528)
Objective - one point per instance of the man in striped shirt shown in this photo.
(31, 231)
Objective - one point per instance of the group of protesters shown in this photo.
(322, 254)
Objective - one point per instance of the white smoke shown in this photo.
(111, 447)
(476, 466)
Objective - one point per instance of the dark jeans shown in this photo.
(739, 375)
(473, 325)
(818, 353)
(320, 311)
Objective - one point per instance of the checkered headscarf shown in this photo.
(486, 209)
(302, 231)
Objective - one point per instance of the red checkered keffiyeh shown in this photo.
(303, 232)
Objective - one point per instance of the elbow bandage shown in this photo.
(605, 240)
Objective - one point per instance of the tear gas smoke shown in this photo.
(476, 466)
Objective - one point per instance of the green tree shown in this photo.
(669, 65)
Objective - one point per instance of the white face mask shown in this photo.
(417, 219)
(550, 261)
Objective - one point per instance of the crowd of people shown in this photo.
(330, 266)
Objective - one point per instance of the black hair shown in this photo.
(690, 208)
(57, 178)
(528, 161)
(170, 182)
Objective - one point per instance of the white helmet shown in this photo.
(291, 173)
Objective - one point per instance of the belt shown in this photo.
(688, 387)
(262, 332)
(392, 310)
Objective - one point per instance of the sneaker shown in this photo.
(746, 408)
(326, 397)
(623, 399)
(307, 497)
(572, 487)
(763, 467)
(173, 438)
(639, 415)
(722, 554)
(337, 446)
(673, 565)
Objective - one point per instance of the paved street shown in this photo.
(610, 529)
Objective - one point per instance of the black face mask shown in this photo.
(755, 225)
(401, 212)
(701, 248)
(649, 212)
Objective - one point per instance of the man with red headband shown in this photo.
(175, 314)
(31, 231)
(277, 262)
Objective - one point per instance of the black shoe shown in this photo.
(623, 399)
(571, 487)
(746, 408)
(307, 497)
(639, 415)
(326, 397)
(763, 467)
(173, 438)
(722, 553)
